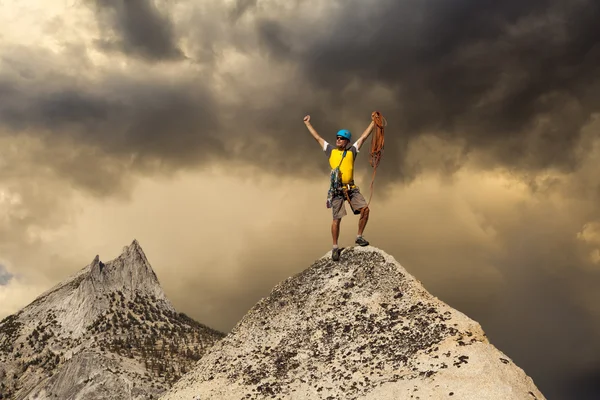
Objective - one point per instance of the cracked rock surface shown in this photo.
(360, 328)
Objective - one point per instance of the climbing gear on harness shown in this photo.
(377, 142)
(347, 186)
(335, 182)
(345, 133)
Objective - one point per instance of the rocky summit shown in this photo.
(108, 332)
(360, 328)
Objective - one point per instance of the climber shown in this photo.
(341, 160)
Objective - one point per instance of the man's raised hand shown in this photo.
(312, 131)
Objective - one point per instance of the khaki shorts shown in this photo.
(338, 207)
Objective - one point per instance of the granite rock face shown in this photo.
(360, 328)
(107, 332)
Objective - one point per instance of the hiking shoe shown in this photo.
(335, 254)
(361, 241)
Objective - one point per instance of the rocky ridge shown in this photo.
(361, 328)
(107, 332)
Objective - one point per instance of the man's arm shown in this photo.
(313, 132)
(365, 135)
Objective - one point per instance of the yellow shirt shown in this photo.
(347, 167)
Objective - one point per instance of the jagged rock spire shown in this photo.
(130, 271)
(99, 335)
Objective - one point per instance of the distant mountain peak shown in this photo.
(134, 250)
(106, 332)
(130, 271)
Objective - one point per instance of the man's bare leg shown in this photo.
(335, 233)
(362, 222)
(335, 230)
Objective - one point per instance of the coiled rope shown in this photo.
(377, 144)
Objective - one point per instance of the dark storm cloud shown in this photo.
(167, 121)
(482, 71)
(141, 29)
(133, 123)
(150, 114)
(240, 8)
(585, 386)
(515, 80)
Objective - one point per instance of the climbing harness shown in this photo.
(377, 142)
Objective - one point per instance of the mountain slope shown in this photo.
(107, 332)
(362, 328)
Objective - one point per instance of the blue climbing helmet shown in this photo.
(345, 133)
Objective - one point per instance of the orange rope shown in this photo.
(377, 142)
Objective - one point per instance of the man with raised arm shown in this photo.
(341, 160)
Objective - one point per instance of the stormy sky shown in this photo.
(179, 123)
